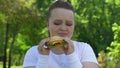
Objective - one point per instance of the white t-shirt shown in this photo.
(83, 53)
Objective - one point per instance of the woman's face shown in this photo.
(61, 22)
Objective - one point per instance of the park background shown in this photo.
(23, 25)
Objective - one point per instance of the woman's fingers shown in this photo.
(69, 47)
(42, 49)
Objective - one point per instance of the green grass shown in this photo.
(1, 65)
(16, 67)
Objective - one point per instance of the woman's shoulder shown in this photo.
(33, 50)
(31, 56)
(34, 47)
(83, 44)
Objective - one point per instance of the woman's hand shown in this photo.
(69, 47)
(66, 49)
(42, 49)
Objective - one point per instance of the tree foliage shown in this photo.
(114, 49)
(94, 19)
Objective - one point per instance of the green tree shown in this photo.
(94, 19)
(114, 49)
(19, 17)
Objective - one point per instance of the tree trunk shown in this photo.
(5, 45)
(12, 45)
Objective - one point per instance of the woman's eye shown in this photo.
(57, 23)
(69, 24)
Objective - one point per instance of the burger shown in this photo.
(55, 41)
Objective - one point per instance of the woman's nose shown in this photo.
(63, 27)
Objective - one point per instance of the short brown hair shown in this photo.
(59, 4)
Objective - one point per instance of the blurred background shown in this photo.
(23, 25)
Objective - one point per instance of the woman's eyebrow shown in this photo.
(58, 20)
(69, 21)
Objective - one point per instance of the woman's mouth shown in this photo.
(62, 34)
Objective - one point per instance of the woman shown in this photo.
(60, 22)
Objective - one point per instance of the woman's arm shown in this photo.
(42, 62)
(89, 59)
(74, 61)
(30, 58)
(90, 65)
(35, 60)
(85, 65)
